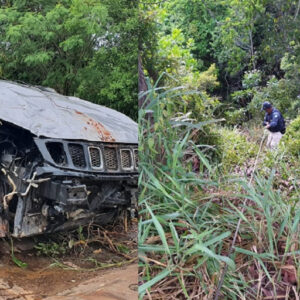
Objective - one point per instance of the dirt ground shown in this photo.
(94, 269)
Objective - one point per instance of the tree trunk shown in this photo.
(297, 11)
(142, 83)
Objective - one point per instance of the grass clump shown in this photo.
(187, 219)
(291, 139)
(173, 243)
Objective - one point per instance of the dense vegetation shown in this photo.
(251, 46)
(205, 170)
(84, 48)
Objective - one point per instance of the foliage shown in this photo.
(235, 117)
(197, 20)
(241, 98)
(17, 261)
(187, 220)
(281, 93)
(235, 149)
(86, 48)
(291, 138)
(165, 200)
(250, 85)
(148, 39)
(175, 57)
(51, 249)
(111, 77)
(247, 41)
(234, 43)
(173, 53)
(257, 30)
(251, 79)
(200, 102)
(259, 39)
(224, 58)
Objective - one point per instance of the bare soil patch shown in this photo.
(98, 253)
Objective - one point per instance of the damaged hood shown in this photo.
(46, 113)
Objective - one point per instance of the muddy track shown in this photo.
(73, 275)
(119, 284)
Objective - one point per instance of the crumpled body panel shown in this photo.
(46, 113)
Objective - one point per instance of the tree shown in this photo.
(111, 76)
(197, 19)
(85, 48)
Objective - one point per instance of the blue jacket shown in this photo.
(276, 121)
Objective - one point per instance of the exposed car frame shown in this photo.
(57, 174)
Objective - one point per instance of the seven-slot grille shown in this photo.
(111, 160)
(77, 155)
(126, 159)
(95, 157)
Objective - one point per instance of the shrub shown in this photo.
(291, 139)
(235, 117)
(235, 149)
(242, 97)
(251, 79)
(281, 93)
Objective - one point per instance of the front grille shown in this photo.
(95, 156)
(126, 159)
(110, 156)
(136, 157)
(77, 155)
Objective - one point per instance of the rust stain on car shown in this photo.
(102, 132)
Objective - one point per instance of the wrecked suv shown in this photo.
(64, 161)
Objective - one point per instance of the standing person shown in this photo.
(275, 123)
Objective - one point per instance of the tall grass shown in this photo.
(187, 220)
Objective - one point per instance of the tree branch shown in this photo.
(297, 11)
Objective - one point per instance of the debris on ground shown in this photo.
(86, 254)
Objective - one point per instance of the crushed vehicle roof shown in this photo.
(45, 113)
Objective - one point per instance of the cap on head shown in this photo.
(266, 105)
